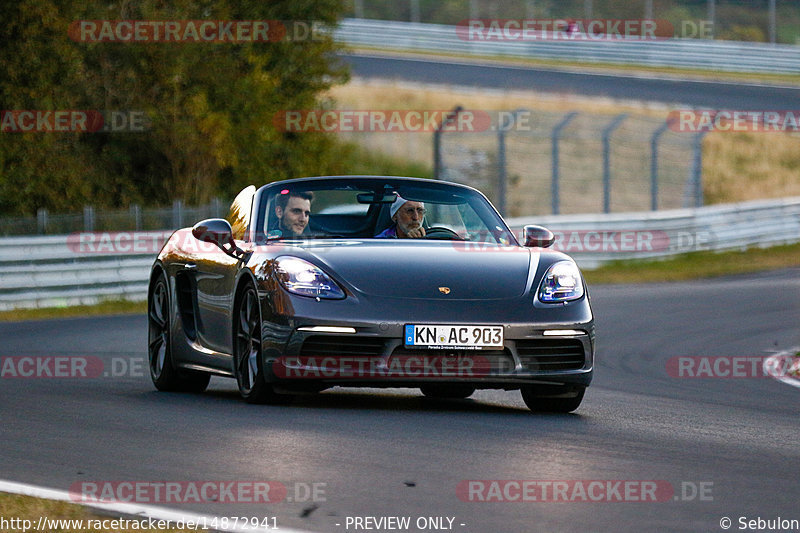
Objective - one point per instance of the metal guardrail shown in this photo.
(681, 53)
(593, 240)
(48, 271)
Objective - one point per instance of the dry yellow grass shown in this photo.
(748, 166)
(736, 167)
(380, 94)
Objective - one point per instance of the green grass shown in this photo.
(111, 307)
(29, 508)
(696, 265)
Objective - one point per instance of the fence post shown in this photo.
(437, 141)
(654, 165)
(694, 185)
(554, 140)
(216, 208)
(136, 214)
(41, 220)
(88, 218)
(698, 169)
(177, 214)
(607, 131)
(501, 171)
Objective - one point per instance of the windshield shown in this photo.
(368, 209)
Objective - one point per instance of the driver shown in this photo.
(293, 210)
(407, 218)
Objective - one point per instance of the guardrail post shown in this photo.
(654, 165)
(216, 208)
(554, 140)
(41, 221)
(607, 131)
(88, 218)
(438, 167)
(177, 214)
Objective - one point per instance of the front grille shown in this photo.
(551, 354)
(342, 346)
(481, 362)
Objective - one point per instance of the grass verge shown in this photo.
(111, 307)
(20, 508)
(696, 265)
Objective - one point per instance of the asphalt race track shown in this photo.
(691, 93)
(727, 447)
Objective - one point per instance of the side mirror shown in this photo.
(538, 237)
(218, 231)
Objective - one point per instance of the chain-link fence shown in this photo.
(527, 162)
(538, 162)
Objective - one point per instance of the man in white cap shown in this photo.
(407, 218)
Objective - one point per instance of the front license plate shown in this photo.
(439, 336)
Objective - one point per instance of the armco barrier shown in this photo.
(51, 271)
(701, 54)
(596, 239)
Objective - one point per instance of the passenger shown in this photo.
(407, 219)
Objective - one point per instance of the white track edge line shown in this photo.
(772, 360)
(138, 510)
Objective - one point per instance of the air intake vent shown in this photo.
(551, 354)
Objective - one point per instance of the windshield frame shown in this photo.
(418, 189)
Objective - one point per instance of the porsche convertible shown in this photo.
(369, 281)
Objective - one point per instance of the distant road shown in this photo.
(692, 93)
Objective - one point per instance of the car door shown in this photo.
(215, 277)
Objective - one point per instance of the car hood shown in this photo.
(427, 269)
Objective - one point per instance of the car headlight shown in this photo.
(561, 283)
(301, 277)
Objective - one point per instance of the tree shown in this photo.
(209, 105)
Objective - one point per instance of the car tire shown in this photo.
(248, 363)
(550, 399)
(449, 390)
(166, 377)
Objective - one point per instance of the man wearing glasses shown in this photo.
(407, 220)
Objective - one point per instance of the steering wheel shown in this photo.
(441, 233)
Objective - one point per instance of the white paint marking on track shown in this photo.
(132, 509)
(776, 366)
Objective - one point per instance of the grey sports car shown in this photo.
(369, 281)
